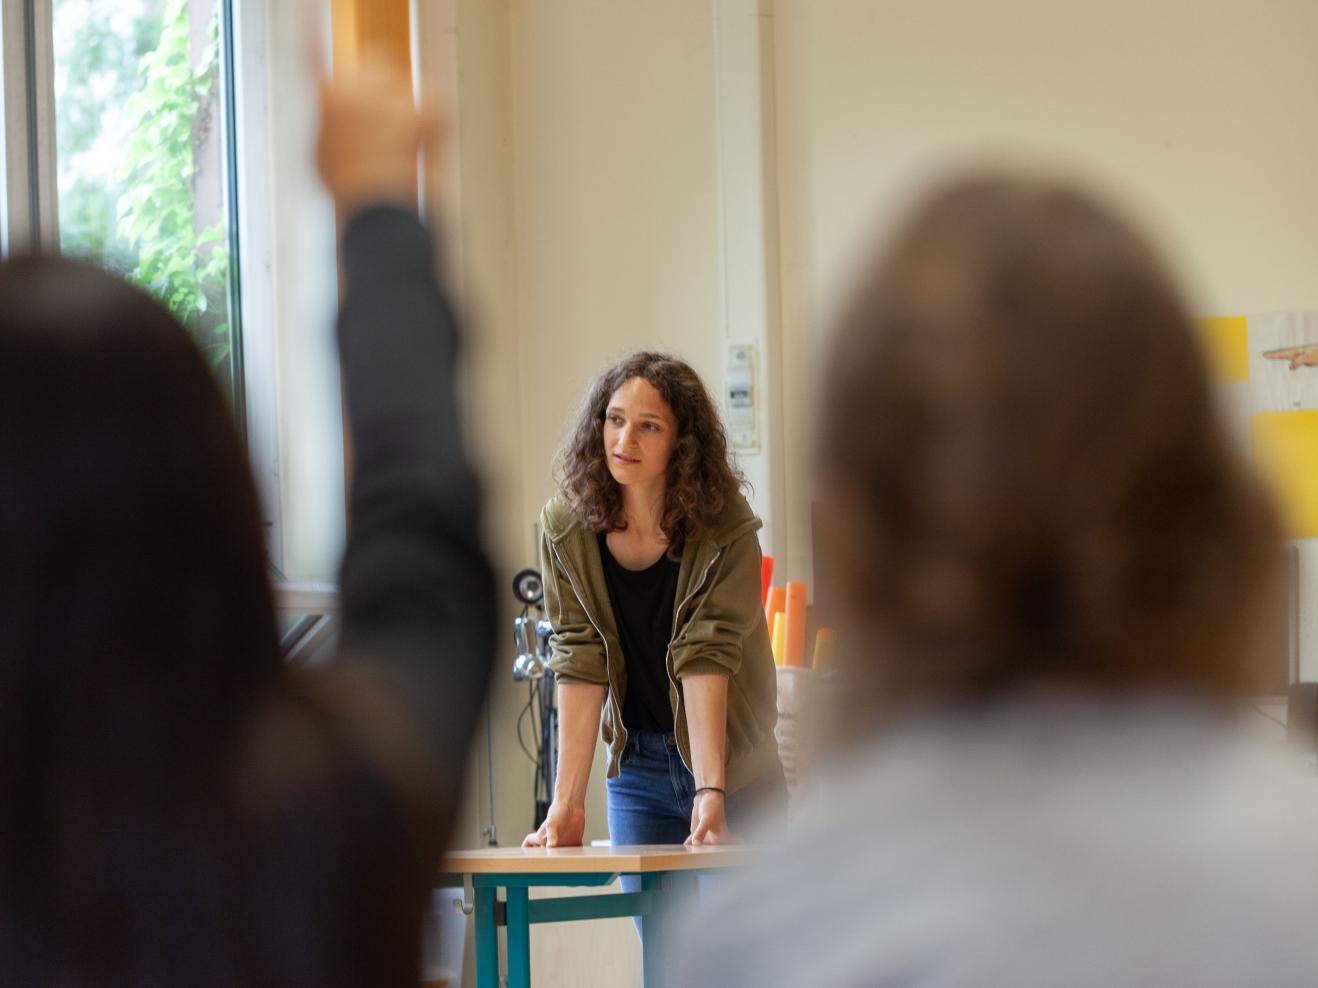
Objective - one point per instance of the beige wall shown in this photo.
(1202, 115)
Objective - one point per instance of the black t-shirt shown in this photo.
(643, 602)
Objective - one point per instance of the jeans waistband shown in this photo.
(655, 742)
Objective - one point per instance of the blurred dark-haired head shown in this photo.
(130, 533)
(135, 617)
(1028, 481)
(175, 807)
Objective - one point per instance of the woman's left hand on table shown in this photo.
(709, 822)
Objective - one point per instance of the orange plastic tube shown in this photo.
(823, 658)
(766, 578)
(794, 625)
(777, 638)
(775, 604)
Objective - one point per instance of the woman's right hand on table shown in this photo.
(563, 827)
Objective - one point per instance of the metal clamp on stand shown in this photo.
(467, 904)
(531, 637)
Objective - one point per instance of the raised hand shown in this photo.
(370, 134)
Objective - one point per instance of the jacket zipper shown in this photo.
(668, 655)
(608, 672)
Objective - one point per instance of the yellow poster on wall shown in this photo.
(1286, 451)
(1227, 340)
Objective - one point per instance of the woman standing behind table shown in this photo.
(652, 584)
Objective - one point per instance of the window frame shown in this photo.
(253, 248)
(30, 220)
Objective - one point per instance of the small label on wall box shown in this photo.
(739, 389)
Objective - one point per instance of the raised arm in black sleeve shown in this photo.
(416, 586)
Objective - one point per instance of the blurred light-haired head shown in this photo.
(1026, 477)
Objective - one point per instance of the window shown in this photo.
(142, 156)
(171, 140)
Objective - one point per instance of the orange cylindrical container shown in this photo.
(823, 658)
(766, 579)
(775, 604)
(794, 625)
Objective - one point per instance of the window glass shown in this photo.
(141, 154)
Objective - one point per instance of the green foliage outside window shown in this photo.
(135, 112)
(96, 62)
(188, 270)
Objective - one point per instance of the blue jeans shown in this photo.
(651, 799)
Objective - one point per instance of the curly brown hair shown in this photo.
(701, 477)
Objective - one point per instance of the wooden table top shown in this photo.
(597, 860)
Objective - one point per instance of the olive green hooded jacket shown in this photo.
(718, 627)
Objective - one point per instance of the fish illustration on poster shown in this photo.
(1283, 371)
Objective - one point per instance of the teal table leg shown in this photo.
(519, 939)
(654, 924)
(683, 890)
(487, 939)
